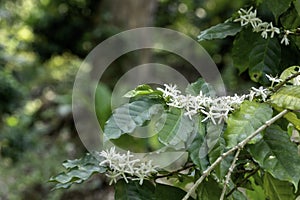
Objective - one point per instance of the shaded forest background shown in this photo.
(42, 44)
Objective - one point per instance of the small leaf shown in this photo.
(245, 121)
(167, 192)
(176, 129)
(276, 154)
(220, 31)
(287, 97)
(126, 118)
(144, 90)
(134, 191)
(264, 59)
(278, 7)
(276, 189)
(288, 72)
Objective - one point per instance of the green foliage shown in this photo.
(278, 7)
(245, 121)
(209, 190)
(287, 97)
(78, 171)
(276, 154)
(133, 190)
(220, 31)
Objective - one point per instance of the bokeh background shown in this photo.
(42, 44)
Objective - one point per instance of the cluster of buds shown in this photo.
(125, 166)
(249, 17)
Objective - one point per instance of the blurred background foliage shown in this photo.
(42, 44)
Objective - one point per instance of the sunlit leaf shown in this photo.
(245, 121)
(287, 97)
(220, 31)
(276, 189)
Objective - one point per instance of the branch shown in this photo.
(175, 172)
(233, 149)
(275, 89)
(231, 168)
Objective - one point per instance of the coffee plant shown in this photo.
(244, 146)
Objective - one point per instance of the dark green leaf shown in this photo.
(102, 104)
(278, 7)
(276, 189)
(242, 45)
(290, 20)
(264, 59)
(166, 192)
(176, 129)
(220, 31)
(245, 121)
(209, 190)
(277, 155)
(287, 97)
(297, 6)
(134, 191)
(129, 116)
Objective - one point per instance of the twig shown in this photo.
(233, 149)
(228, 175)
(243, 181)
(277, 87)
(175, 172)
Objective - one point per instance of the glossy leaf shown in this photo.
(78, 171)
(278, 7)
(244, 41)
(220, 31)
(176, 129)
(245, 121)
(287, 97)
(167, 192)
(276, 189)
(288, 72)
(134, 191)
(144, 90)
(129, 116)
(276, 154)
(264, 59)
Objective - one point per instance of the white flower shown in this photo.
(124, 166)
(259, 92)
(169, 91)
(260, 27)
(264, 34)
(248, 17)
(273, 79)
(285, 40)
(272, 29)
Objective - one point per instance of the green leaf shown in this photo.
(290, 20)
(134, 191)
(176, 129)
(144, 90)
(297, 6)
(242, 44)
(276, 154)
(198, 146)
(264, 59)
(200, 85)
(287, 97)
(209, 190)
(102, 104)
(167, 192)
(288, 72)
(220, 31)
(79, 170)
(278, 7)
(276, 189)
(245, 121)
(126, 118)
(257, 192)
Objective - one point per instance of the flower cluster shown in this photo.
(215, 109)
(249, 17)
(125, 166)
